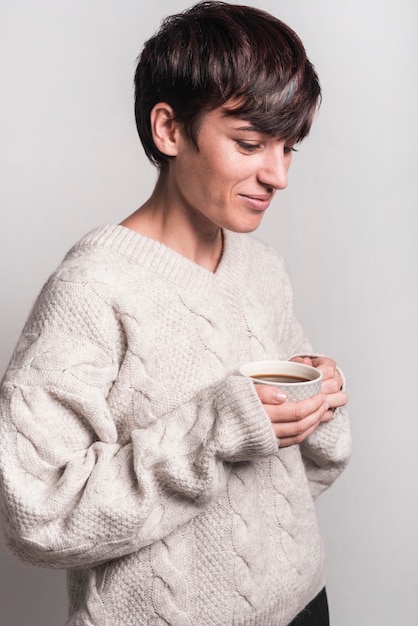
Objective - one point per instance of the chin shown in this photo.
(250, 227)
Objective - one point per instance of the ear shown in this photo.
(165, 129)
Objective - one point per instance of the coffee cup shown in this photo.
(297, 380)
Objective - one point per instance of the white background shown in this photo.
(70, 160)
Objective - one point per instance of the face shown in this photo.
(231, 180)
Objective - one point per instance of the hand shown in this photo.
(292, 421)
(332, 382)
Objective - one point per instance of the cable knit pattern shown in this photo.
(284, 515)
(249, 560)
(169, 591)
(134, 456)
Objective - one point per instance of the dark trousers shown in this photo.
(315, 613)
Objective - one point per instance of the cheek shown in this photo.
(223, 171)
(211, 177)
(214, 171)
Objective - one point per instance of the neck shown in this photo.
(170, 221)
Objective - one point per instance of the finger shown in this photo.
(284, 442)
(328, 372)
(326, 365)
(269, 394)
(328, 416)
(306, 360)
(321, 361)
(296, 432)
(336, 400)
(295, 411)
(331, 386)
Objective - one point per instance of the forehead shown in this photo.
(223, 119)
(224, 116)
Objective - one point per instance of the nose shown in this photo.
(274, 167)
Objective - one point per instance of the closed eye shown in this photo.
(248, 147)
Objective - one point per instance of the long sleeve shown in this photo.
(73, 493)
(327, 451)
(132, 455)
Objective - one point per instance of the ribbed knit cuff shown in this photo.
(331, 441)
(243, 428)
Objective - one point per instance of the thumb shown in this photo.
(270, 394)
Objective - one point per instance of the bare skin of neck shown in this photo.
(169, 220)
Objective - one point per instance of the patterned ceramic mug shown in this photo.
(297, 380)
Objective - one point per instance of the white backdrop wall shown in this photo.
(347, 226)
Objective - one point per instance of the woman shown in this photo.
(171, 489)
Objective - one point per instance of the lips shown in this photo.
(257, 202)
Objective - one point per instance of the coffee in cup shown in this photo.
(297, 380)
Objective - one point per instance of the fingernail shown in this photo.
(279, 395)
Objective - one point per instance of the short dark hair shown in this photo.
(214, 52)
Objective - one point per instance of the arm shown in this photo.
(72, 493)
(327, 450)
(321, 425)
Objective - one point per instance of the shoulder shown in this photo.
(99, 256)
(77, 305)
(83, 289)
(109, 261)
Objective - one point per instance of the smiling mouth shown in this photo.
(258, 202)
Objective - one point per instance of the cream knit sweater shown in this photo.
(134, 456)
